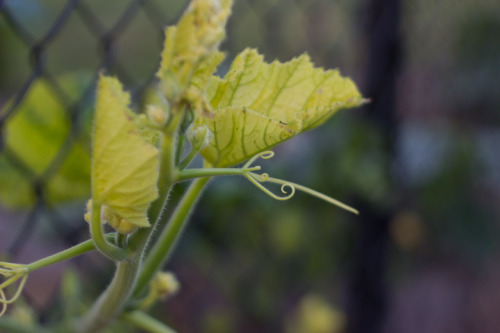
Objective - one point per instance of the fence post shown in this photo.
(367, 290)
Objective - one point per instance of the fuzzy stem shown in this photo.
(101, 243)
(168, 238)
(111, 302)
(165, 182)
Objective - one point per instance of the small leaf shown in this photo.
(192, 44)
(259, 105)
(124, 165)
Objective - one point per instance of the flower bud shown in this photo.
(156, 115)
(88, 207)
(165, 284)
(199, 136)
(121, 225)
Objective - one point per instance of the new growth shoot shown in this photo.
(138, 158)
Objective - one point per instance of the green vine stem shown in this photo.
(142, 237)
(287, 188)
(111, 303)
(101, 243)
(165, 181)
(212, 172)
(168, 238)
(145, 322)
(72, 252)
(14, 272)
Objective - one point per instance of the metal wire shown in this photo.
(270, 36)
(38, 52)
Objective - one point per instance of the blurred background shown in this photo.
(421, 162)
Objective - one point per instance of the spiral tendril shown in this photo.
(265, 155)
(258, 179)
(287, 188)
(262, 177)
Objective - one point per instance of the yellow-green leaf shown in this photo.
(192, 45)
(240, 133)
(259, 105)
(124, 165)
(35, 134)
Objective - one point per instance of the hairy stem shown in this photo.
(168, 238)
(165, 182)
(110, 304)
(101, 243)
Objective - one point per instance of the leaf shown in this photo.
(240, 133)
(124, 166)
(205, 70)
(34, 134)
(192, 45)
(259, 105)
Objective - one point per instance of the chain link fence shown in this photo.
(444, 123)
(124, 40)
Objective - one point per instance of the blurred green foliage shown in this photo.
(36, 135)
(247, 261)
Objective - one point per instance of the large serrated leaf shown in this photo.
(238, 133)
(124, 165)
(259, 105)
